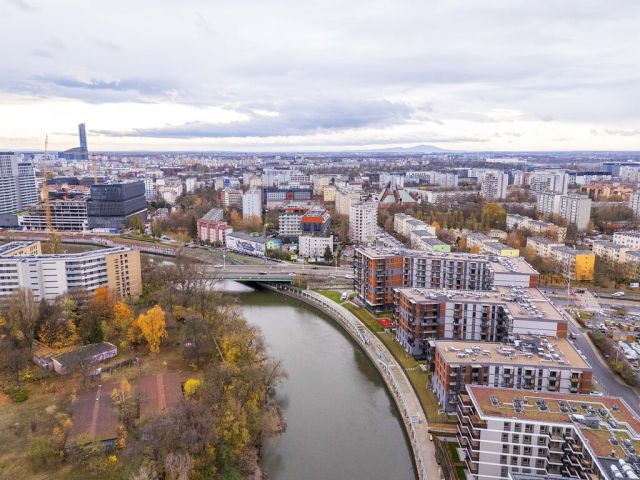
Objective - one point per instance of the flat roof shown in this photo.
(573, 251)
(562, 409)
(557, 352)
(544, 241)
(521, 302)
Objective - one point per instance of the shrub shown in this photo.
(19, 395)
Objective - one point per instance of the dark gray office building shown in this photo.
(113, 204)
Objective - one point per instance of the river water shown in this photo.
(341, 422)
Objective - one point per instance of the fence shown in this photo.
(378, 353)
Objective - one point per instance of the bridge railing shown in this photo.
(374, 349)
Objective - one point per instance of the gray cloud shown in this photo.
(623, 133)
(291, 119)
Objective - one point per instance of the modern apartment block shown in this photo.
(424, 315)
(49, 276)
(112, 205)
(363, 219)
(634, 203)
(231, 197)
(574, 209)
(67, 215)
(538, 227)
(252, 203)
(526, 363)
(549, 181)
(290, 219)
(378, 271)
(508, 434)
(610, 251)
(310, 246)
(344, 198)
(315, 221)
(542, 245)
(494, 185)
(404, 224)
(274, 197)
(17, 187)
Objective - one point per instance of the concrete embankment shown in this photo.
(397, 383)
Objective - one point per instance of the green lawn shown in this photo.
(460, 473)
(419, 379)
(331, 295)
(453, 451)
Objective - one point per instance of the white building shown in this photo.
(252, 203)
(543, 246)
(150, 191)
(363, 219)
(627, 239)
(634, 203)
(314, 247)
(190, 184)
(549, 181)
(610, 250)
(574, 209)
(17, 187)
(66, 215)
(538, 227)
(344, 198)
(404, 224)
(494, 185)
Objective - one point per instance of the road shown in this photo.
(604, 379)
(279, 269)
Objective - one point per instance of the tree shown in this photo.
(493, 215)
(191, 386)
(193, 228)
(135, 223)
(152, 327)
(125, 403)
(40, 451)
(178, 466)
(327, 254)
(122, 317)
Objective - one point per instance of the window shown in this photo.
(506, 426)
(505, 437)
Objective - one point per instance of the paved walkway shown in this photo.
(397, 382)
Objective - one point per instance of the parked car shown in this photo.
(618, 294)
(573, 336)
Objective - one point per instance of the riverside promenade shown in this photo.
(398, 384)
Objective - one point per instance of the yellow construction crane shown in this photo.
(44, 193)
(94, 164)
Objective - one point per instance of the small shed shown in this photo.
(85, 355)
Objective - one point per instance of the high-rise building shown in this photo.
(634, 203)
(113, 204)
(363, 219)
(574, 209)
(494, 185)
(252, 203)
(77, 153)
(17, 187)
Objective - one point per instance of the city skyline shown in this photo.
(324, 77)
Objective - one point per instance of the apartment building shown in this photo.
(538, 227)
(49, 276)
(423, 315)
(493, 185)
(486, 244)
(378, 271)
(252, 203)
(275, 197)
(212, 228)
(404, 224)
(67, 215)
(634, 203)
(574, 209)
(629, 239)
(344, 198)
(576, 264)
(508, 433)
(231, 197)
(610, 250)
(417, 238)
(329, 193)
(311, 246)
(431, 244)
(363, 219)
(17, 187)
(527, 363)
(290, 219)
(549, 181)
(542, 245)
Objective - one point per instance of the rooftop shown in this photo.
(526, 350)
(608, 244)
(544, 241)
(521, 302)
(94, 415)
(572, 251)
(159, 392)
(615, 418)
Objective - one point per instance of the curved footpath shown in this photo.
(394, 377)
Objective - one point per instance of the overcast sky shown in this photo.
(321, 75)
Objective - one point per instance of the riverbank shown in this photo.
(391, 372)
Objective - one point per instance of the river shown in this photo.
(341, 422)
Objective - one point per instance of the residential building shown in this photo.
(542, 245)
(526, 363)
(190, 184)
(549, 181)
(49, 276)
(150, 189)
(538, 227)
(315, 221)
(290, 219)
(17, 187)
(499, 248)
(378, 271)
(494, 185)
(575, 264)
(404, 224)
(363, 219)
(610, 250)
(514, 434)
(231, 197)
(572, 208)
(629, 239)
(252, 203)
(634, 203)
(418, 237)
(312, 246)
(67, 215)
(344, 198)
(211, 227)
(423, 315)
(432, 244)
(329, 193)
(599, 191)
(112, 205)
(170, 189)
(442, 196)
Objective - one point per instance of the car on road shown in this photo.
(262, 273)
(350, 277)
(573, 336)
(618, 294)
(217, 266)
(292, 274)
(596, 393)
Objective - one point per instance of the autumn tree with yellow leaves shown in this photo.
(150, 327)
